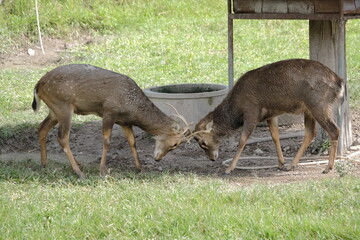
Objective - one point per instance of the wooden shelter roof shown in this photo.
(295, 9)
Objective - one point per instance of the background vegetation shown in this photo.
(158, 42)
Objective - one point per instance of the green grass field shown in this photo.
(52, 204)
(159, 42)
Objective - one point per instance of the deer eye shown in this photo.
(204, 145)
(174, 146)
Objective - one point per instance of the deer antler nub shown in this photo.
(178, 115)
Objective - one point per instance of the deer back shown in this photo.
(92, 90)
(286, 86)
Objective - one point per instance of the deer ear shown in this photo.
(175, 127)
(209, 126)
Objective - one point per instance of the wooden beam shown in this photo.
(303, 7)
(274, 6)
(246, 6)
(349, 7)
(357, 6)
(328, 6)
(317, 16)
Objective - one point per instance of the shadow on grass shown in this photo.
(29, 170)
(8, 131)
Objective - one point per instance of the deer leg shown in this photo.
(274, 131)
(49, 122)
(332, 156)
(331, 128)
(129, 134)
(108, 124)
(310, 133)
(63, 139)
(246, 132)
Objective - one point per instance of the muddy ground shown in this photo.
(86, 141)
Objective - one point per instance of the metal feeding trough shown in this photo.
(193, 101)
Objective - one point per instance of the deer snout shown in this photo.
(158, 155)
(213, 155)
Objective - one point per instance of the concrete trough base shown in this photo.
(193, 101)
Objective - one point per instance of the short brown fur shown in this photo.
(290, 86)
(116, 98)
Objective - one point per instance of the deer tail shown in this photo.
(341, 84)
(36, 100)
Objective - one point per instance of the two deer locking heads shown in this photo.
(296, 86)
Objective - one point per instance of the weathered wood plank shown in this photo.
(246, 6)
(349, 7)
(327, 6)
(274, 6)
(357, 6)
(303, 7)
(258, 6)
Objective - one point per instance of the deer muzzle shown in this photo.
(213, 155)
(158, 155)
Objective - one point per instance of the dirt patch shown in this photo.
(29, 55)
(86, 141)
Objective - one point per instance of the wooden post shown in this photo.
(327, 45)
(230, 47)
(343, 114)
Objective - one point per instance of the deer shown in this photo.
(85, 89)
(294, 86)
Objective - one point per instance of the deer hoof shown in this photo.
(281, 167)
(228, 171)
(326, 170)
(44, 163)
(289, 168)
(138, 168)
(103, 171)
(81, 175)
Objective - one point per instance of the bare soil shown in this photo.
(19, 58)
(86, 141)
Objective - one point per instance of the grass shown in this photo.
(52, 203)
(159, 42)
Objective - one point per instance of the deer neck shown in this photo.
(227, 119)
(155, 122)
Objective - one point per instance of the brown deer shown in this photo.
(116, 98)
(290, 86)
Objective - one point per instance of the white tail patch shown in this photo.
(342, 90)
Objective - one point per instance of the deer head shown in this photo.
(207, 139)
(171, 140)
